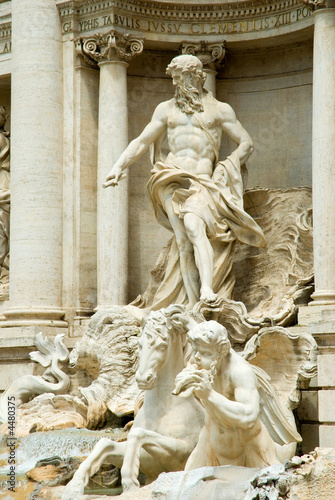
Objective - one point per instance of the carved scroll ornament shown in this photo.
(210, 54)
(108, 47)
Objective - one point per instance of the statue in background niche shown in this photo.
(245, 423)
(196, 196)
(4, 206)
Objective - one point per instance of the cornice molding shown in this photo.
(175, 22)
(166, 11)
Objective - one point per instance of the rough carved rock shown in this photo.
(54, 470)
(227, 482)
(48, 412)
(315, 476)
(309, 477)
(272, 280)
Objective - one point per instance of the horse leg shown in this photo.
(105, 448)
(155, 444)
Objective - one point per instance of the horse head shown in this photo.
(161, 330)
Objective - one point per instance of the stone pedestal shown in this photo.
(36, 166)
(111, 51)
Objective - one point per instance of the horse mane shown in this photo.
(168, 320)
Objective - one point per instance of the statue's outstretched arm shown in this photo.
(138, 146)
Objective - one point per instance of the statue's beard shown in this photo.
(188, 98)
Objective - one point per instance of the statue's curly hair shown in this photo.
(187, 64)
(210, 333)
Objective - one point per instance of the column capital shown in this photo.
(319, 4)
(210, 54)
(111, 46)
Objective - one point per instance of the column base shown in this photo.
(34, 317)
(323, 298)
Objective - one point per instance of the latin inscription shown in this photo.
(198, 28)
(5, 47)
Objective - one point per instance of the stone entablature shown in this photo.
(172, 23)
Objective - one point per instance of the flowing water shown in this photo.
(28, 450)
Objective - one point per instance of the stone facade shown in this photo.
(72, 248)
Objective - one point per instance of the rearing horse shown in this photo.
(166, 428)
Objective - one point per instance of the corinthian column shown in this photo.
(211, 55)
(36, 166)
(324, 156)
(111, 51)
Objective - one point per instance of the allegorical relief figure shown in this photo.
(4, 205)
(196, 196)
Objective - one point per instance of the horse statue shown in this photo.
(166, 428)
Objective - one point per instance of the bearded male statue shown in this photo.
(196, 196)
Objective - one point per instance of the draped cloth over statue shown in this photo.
(218, 201)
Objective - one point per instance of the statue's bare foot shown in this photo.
(207, 294)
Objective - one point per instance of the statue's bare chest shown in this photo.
(178, 119)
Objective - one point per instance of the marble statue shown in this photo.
(28, 386)
(196, 196)
(108, 356)
(166, 428)
(234, 395)
(4, 205)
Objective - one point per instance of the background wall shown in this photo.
(271, 93)
(270, 90)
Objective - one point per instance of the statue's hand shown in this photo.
(191, 380)
(114, 176)
(202, 384)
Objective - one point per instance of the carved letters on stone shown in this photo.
(108, 47)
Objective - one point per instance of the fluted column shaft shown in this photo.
(324, 156)
(36, 164)
(111, 51)
(112, 229)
